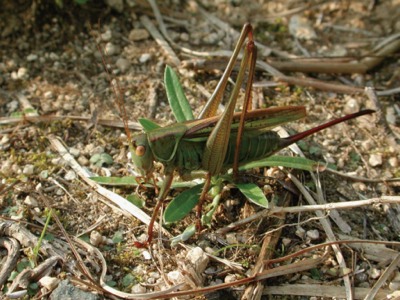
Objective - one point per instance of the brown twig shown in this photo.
(9, 265)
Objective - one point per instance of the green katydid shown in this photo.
(215, 143)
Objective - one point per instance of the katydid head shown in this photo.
(142, 156)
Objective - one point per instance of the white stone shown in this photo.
(110, 49)
(176, 277)
(70, 175)
(49, 283)
(138, 35)
(374, 273)
(375, 160)
(74, 152)
(313, 234)
(22, 73)
(198, 258)
(30, 201)
(145, 57)
(28, 169)
(138, 289)
(96, 238)
(106, 36)
(231, 238)
(123, 64)
(301, 28)
(300, 232)
(31, 57)
(230, 278)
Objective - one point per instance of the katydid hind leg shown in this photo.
(217, 142)
(299, 136)
(210, 109)
(247, 104)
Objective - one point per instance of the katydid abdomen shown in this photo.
(256, 144)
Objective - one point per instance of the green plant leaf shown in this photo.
(148, 125)
(100, 159)
(128, 280)
(131, 181)
(285, 161)
(176, 97)
(135, 200)
(184, 236)
(181, 205)
(253, 193)
(118, 237)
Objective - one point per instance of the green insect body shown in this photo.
(181, 146)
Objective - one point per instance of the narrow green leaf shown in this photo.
(131, 181)
(253, 193)
(181, 205)
(176, 97)
(135, 200)
(184, 236)
(284, 161)
(148, 125)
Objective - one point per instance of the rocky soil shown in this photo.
(54, 87)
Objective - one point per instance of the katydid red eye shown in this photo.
(140, 150)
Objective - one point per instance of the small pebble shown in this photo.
(198, 258)
(106, 36)
(286, 242)
(70, 175)
(48, 95)
(28, 169)
(83, 161)
(31, 57)
(361, 277)
(118, 5)
(231, 238)
(138, 35)
(30, 201)
(375, 160)
(4, 140)
(184, 37)
(22, 73)
(176, 277)
(54, 56)
(351, 106)
(394, 286)
(138, 289)
(123, 64)
(12, 105)
(374, 273)
(60, 192)
(96, 238)
(393, 162)
(49, 283)
(313, 234)
(145, 57)
(44, 174)
(110, 49)
(230, 278)
(300, 28)
(300, 232)
(74, 152)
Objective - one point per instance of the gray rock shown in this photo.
(67, 291)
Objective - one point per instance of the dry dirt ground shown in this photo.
(51, 72)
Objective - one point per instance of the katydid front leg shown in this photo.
(160, 200)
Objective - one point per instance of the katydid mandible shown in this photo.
(215, 143)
